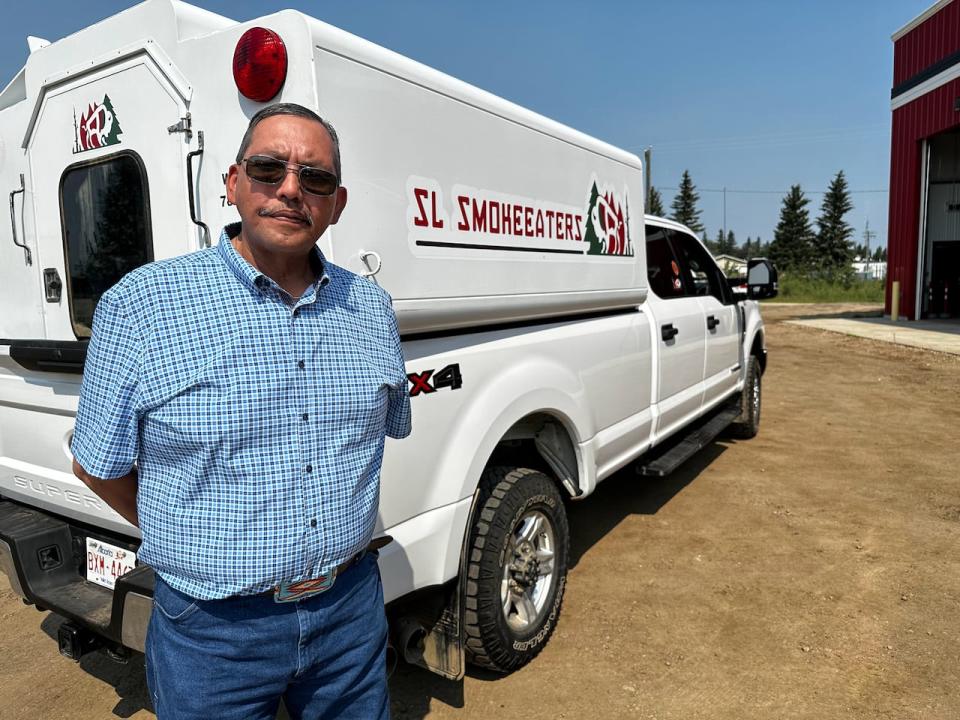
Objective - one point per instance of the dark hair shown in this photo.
(290, 109)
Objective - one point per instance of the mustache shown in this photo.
(264, 212)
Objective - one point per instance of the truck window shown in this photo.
(663, 271)
(105, 217)
(701, 274)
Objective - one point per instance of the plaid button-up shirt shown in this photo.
(256, 422)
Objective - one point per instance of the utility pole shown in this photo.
(868, 235)
(724, 213)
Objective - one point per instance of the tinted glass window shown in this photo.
(663, 271)
(701, 274)
(106, 230)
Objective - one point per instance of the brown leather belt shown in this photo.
(308, 588)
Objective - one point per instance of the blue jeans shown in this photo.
(235, 658)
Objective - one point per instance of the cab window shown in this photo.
(105, 217)
(701, 276)
(663, 270)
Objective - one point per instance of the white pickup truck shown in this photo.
(552, 334)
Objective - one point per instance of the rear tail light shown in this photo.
(259, 64)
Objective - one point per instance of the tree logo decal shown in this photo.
(98, 127)
(608, 222)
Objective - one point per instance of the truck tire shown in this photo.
(747, 424)
(517, 568)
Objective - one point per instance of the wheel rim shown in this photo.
(528, 573)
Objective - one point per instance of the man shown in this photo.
(234, 406)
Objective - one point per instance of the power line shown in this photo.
(769, 192)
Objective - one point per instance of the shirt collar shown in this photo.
(252, 278)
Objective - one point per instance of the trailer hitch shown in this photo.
(13, 224)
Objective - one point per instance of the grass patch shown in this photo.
(818, 290)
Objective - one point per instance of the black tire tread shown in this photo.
(746, 426)
(495, 486)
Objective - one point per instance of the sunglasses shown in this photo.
(270, 171)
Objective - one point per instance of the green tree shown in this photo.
(655, 202)
(590, 236)
(718, 243)
(792, 246)
(730, 244)
(833, 251)
(684, 205)
(115, 132)
(746, 249)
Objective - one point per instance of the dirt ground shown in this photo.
(812, 572)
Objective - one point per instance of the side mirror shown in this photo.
(761, 279)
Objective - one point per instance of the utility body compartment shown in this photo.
(468, 209)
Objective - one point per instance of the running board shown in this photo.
(666, 458)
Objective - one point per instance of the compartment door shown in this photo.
(108, 183)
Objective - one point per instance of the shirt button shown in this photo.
(301, 364)
(306, 416)
(313, 522)
(309, 468)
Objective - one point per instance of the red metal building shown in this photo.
(924, 228)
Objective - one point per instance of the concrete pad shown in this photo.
(939, 335)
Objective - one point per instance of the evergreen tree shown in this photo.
(832, 246)
(730, 246)
(594, 246)
(115, 132)
(684, 205)
(718, 243)
(746, 249)
(655, 202)
(792, 246)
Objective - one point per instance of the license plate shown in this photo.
(106, 562)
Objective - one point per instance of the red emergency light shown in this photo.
(260, 64)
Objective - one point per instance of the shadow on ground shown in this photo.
(127, 679)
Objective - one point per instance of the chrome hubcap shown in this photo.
(528, 573)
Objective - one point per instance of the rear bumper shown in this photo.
(44, 557)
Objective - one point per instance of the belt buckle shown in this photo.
(288, 591)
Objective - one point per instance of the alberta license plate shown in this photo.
(106, 562)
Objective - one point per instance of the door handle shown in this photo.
(712, 322)
(28, 258)
(668, 332)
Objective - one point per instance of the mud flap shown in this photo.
(442, 649)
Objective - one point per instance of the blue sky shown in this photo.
(751, 96)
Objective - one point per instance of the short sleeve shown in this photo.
(106, 434)
(398, 423)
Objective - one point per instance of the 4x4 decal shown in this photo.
(447, 377)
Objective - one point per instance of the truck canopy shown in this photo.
(468, 209)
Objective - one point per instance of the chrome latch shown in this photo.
(52, 284)
(183, 126)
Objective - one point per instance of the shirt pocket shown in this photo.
(354, 397)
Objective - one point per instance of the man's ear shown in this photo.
(233, 174)
(341, 203)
